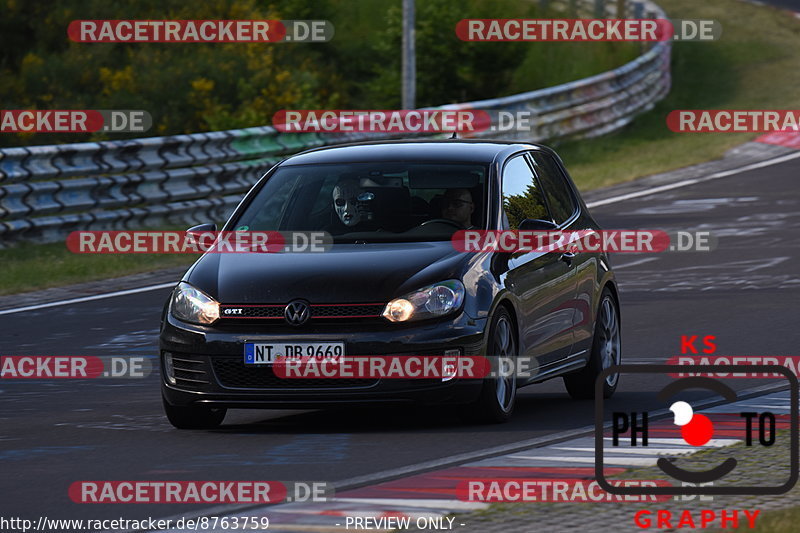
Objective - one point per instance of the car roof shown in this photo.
(455, 150)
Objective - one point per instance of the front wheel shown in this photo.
(606, 351)
(193, 417)
(496, 402)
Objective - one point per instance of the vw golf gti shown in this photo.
(392, 283)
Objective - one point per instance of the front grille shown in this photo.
(234, 374)
(347, 311)
(253, 311)
(190, 373)
(275, 311)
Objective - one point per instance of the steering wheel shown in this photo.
(441, 221)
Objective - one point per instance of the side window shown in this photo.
(324, 201)
(521, 197)
(266, 212)
(556, 189)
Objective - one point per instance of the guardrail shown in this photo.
(48, 191)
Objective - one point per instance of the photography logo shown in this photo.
(631, 431)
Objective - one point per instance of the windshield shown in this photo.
(371, 202)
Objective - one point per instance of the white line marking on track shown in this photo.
(636, 263)
(87, 298)
(713, 443)
(614, 460)
(420, 503)
(632, 451)
(692, 181)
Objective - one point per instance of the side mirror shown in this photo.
(537, 224)
(196, 232)
(202, 228)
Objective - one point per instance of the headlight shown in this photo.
(193, 305)
(429, 302)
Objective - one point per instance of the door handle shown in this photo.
(567, 257)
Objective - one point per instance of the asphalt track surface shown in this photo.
(55, 432)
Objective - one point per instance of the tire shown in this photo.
(193, 417)
(496, 401)
(606, 351)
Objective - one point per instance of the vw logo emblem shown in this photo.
(297, 313)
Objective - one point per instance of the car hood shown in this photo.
(357, 273)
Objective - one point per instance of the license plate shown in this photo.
(264, 353)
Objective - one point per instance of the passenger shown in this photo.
(457, 205)
(345, 201)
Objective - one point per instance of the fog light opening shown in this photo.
(450, 371)
(169, 369)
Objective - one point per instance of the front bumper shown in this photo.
(209, 368)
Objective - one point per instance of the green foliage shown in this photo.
(204, 87)
(448, 70)
(185, 87)
(518, 207)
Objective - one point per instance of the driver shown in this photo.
(345, 201)
(457, 205)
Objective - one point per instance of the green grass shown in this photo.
(782, 521)
(755, 65)
(38, 266)
(568, 61)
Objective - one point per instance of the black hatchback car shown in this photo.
(392, 283)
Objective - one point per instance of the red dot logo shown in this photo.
(696, 429)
